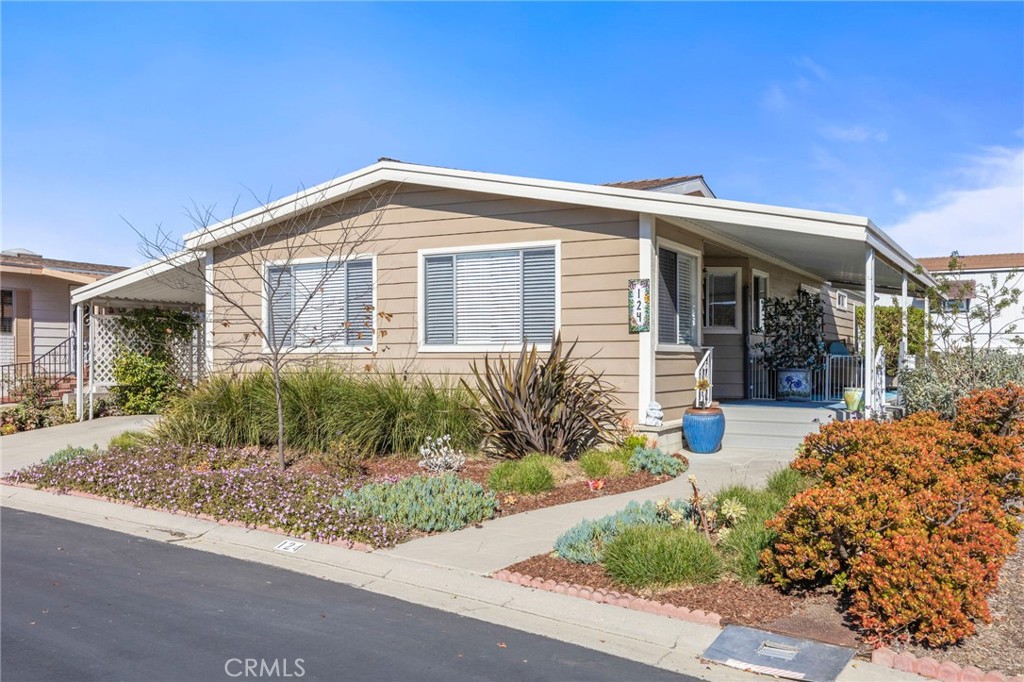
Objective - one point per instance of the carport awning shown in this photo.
(177, 279)
(832, 252)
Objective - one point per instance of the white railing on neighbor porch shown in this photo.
(703, 375)
(827, 381)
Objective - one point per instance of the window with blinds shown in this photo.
(321, 305)
(488, 298)
(677, 298)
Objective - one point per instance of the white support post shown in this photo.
(869, 331)
(904, 344)
(927, 329)
(208, 314)
(92, 355)
(647, 340)
(79, 360)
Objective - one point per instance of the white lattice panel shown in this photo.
(110, 338)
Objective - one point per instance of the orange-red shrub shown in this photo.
(913, 519)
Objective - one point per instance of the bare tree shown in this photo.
(281, 280)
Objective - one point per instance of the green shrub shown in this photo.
(655, 462)
(938, 384)
(427, 503)
(634, 441)
(71, 452)
(377, 413)
(527, 476)
(785, 483)
(144, 382)
(660, 556)
(604, 463)
(585, 542)
(128, 440)
(554, 405)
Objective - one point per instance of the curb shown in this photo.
(340, 542)
(946, 671)
(620, 599)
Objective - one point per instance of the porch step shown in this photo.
(771, 426)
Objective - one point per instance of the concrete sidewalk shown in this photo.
(28, 447)
(655, 640)
(504, 541)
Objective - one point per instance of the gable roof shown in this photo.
(985, 261)
(694, 185)
(22, 259)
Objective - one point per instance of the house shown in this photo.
(968, 281)
(456, 264)
(35, 308)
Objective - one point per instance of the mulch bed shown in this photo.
(573, 489)
(735, 602)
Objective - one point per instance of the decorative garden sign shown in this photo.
(639, 306)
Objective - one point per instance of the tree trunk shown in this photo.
(280, 415)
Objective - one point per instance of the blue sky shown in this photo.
(911, 114)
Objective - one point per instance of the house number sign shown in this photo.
(639, 306)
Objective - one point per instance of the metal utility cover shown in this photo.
(771, 654)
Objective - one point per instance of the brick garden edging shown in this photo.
(627, 601)
(347, 544)
(947, 671)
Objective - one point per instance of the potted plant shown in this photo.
(794, 343)
(704, 423)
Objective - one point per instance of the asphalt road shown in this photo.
(84, 603)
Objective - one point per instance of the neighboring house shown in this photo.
(469, 263)
(35, 300)
(972, 275)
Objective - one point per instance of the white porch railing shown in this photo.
(836, 373)
(703, 376)
(878, 381)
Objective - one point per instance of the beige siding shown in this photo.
(599, 254)
(47, 322)
(839, 322)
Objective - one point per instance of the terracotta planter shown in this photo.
(703, 428)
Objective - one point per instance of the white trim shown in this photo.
(79, 361)
(869, 330)
(646, 392)
(659, 243)
(737, 273)
(334, 348)
(754, 274)
(802, 221)
(842, 300)
(421, 299)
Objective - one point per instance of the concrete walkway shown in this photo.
(28, 447)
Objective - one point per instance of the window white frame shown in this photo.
(755, 306)
(737, 326)
(662, 243)
(421, 298)
(842, 300)
(370, 347)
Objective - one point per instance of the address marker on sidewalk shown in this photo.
(772, 654)
(290, 546)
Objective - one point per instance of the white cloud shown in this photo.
(855, 133)
(812, 66)
(775, 98)
(899, 197)
(983, 214)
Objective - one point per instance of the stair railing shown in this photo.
(53, 366)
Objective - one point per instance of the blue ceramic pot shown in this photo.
(793, 384)
(703, 429)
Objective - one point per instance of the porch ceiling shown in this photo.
(177, 279)
(836, 256)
